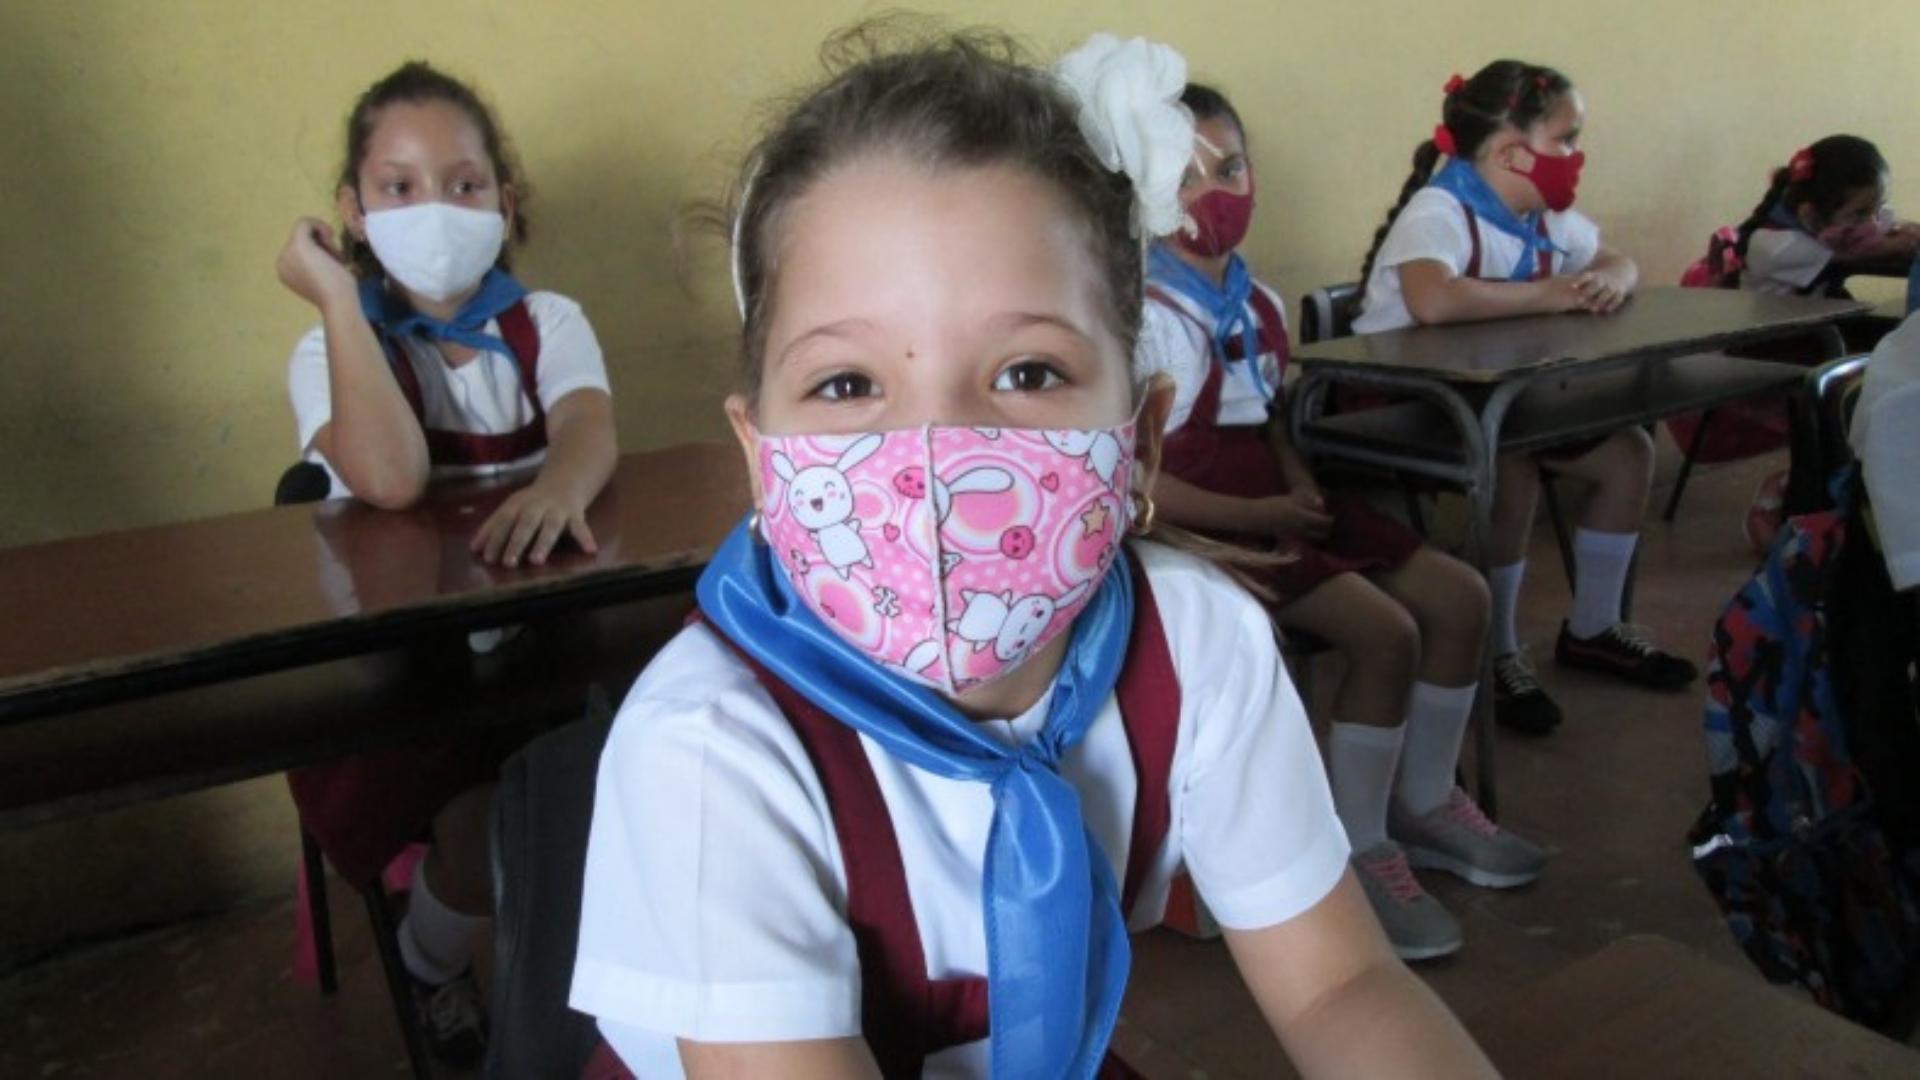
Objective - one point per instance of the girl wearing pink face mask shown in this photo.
(1409, 620)
(1824, 213)
(948, 724)
(1492, 234)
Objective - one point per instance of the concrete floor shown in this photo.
(1612, 792)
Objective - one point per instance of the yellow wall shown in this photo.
(154, 154)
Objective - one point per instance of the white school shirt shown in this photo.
(1173, 343)
(1886, 436)
(482, 396)
(1783, 261)
(715, 894)
(1434, 226)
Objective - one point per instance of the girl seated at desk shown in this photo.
(431, 360)
(1493, 234)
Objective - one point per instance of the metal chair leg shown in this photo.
(386, 940)
(1416, 517)
(319, 916)
(1686, 465)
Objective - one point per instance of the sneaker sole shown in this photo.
(1603, 664)
(1417, 953)
(1429, 859)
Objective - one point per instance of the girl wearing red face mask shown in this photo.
(1824, 213)
(1492, 235)
(1408, 619)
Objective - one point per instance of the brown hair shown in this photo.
(964, 98)
(967, 98)
(1505, 92)
(414, 82)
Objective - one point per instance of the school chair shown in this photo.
(1820, 448)
(1327, 313)
(542, 812)
(302, 483)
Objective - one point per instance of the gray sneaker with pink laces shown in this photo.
(1416, 924)
(1458, 838)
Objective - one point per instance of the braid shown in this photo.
(1425, 157)
(1775, 189)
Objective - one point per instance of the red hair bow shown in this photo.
(1443, 141)
(1800, 166)
(1454, 85)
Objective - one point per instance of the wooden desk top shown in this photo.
(1647, 1006)
(1657, 322)
(101, 618)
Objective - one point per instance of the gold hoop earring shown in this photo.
(1142, 513)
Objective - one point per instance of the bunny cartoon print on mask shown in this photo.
(948, 554)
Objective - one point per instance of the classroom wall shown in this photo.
(154, 155)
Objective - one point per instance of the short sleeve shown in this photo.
(1432, 226)
(1788, 259)
(1258, 831)
(713, 904)
(570, 356)
(1886, 435)
(1576, 234)
(1171, 343)
(308, 386)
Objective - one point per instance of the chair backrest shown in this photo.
(541, 814)
(1328, 312)
(1834, 388)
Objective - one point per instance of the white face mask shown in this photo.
(435, 249)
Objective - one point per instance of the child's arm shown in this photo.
(580, 457)
(1342, 1003)
(371, 438)
(1896, 245)
(824, 1059)
(1280, 516)
(1435, 294)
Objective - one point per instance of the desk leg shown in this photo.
(1481, 435)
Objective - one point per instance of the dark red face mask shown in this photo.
(1222, 218)
(1555, 177)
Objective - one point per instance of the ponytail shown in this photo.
(1776, 188)
(1425, 157)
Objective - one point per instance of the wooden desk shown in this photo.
(1650, 1007)
(100, 619)
(1466, 379)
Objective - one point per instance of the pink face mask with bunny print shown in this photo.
(948, 554)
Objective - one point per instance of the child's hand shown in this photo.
(1600, 292)
(1288, 517)
(529, 524)
(313, 268)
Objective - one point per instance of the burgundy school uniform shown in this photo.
(364, 809)
(1236, 459)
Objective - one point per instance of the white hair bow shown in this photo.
(1130, 111)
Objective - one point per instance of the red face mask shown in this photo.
(1555, 177)
(1222, 218)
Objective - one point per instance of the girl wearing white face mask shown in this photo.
(432, 361)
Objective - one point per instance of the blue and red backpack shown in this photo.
(1818, 880)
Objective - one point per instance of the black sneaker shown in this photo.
(1518, 700)
(1622, 650)
(453, 1019)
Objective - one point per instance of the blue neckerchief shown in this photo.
(1225, 304)
(390, 313)
(1057, 951)
(1464, 182)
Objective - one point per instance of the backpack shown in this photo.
(1720, 267)
(1792, 845)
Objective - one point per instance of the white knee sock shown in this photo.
(1362, 759)
(1600, 562)
(1504, 583)
(436, 942)
(1436, 723)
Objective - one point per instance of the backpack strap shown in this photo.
(905, 1015)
